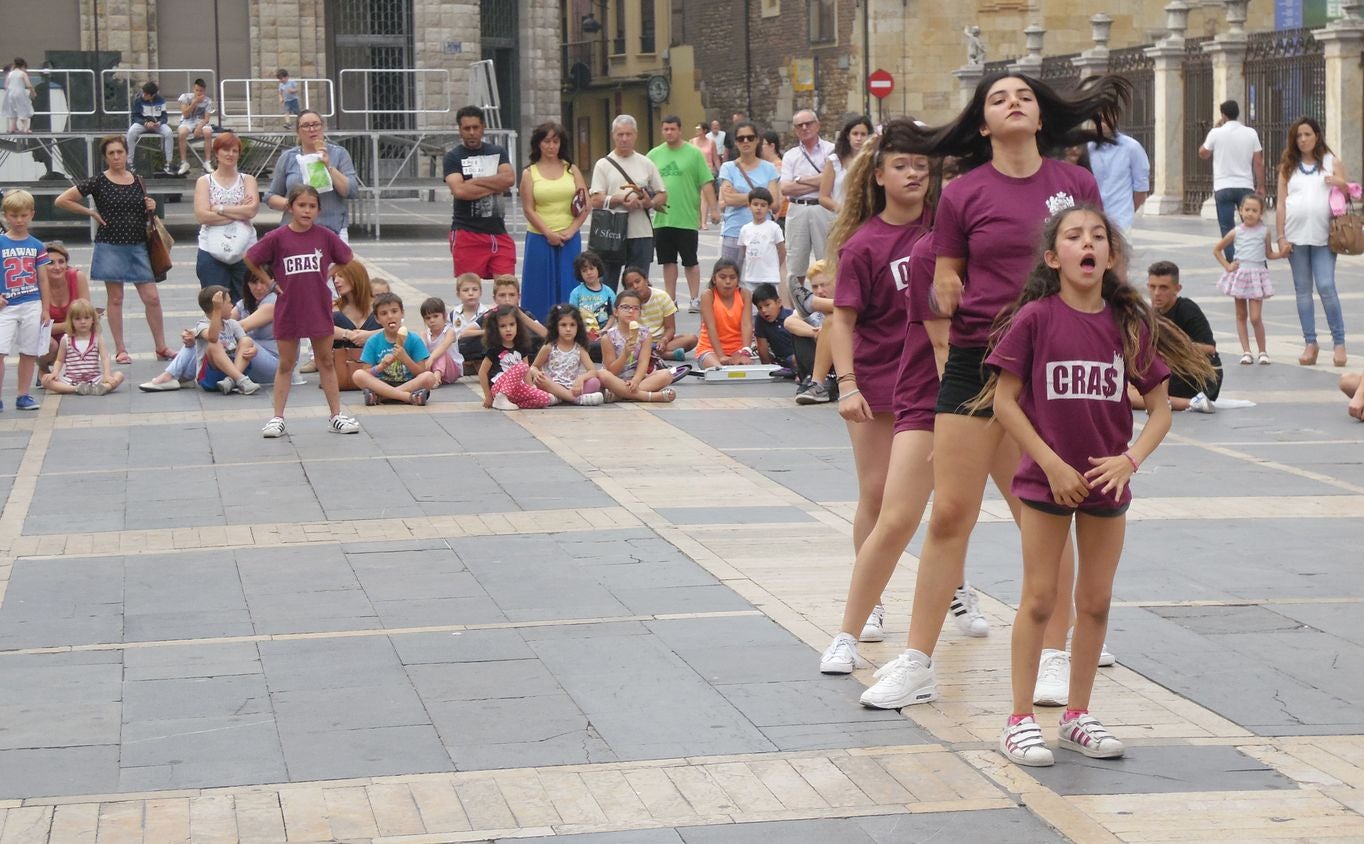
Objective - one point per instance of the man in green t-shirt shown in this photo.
(690, 187)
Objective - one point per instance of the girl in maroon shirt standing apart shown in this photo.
(1064, 358)
(986, 228)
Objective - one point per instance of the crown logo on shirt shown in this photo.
(1058, 202)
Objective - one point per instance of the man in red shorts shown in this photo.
(478, 174)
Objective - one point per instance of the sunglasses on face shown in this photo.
(743, 139)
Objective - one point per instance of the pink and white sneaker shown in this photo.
(1085, 734)
(1022, 744)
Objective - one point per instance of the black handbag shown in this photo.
(607, 235)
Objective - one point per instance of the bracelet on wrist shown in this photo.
(846, 377)
(1135, 465)
(849, 394)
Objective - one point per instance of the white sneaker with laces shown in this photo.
(841, 655)
(1085, 734)
(966, 612)
(907, 680)
(246, 386)
(1053, 678)
(872, 631)
(184, 168)
(343, 424)
(1023, 744)
(297, 379)
(694, 307)
(1106, 657)
(1201, 404)
(274, 428)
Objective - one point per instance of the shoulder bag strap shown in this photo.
(631, 181)
(740, 167)
(817, 169)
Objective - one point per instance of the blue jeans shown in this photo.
(1316, 264)
(639, 252)
(1228, 200)
(212, 271)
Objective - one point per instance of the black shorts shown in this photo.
(963, 378)
(671, 243)
(1181, 389)
(1057, 510)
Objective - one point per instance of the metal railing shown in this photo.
(1198, 117)
(412, 86)
(43, 79)
(584, 62)
(1060, 72)
(256, 93)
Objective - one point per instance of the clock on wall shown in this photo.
(659, 89)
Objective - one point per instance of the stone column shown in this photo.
(968, 77)
(1094, 61)
(1031, 64)
(1167, 193)
(1228, 52)
(1343, 43)
(445, 37)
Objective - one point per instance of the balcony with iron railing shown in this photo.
(584, 62)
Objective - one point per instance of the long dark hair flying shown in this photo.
(1063, 117)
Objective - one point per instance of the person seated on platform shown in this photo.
(148, 114)
(769, 327)
(726, 329)
(1162, 282)
(396, 357)
(658, 314)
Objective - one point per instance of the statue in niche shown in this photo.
(975, 48)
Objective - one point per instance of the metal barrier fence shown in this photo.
(1285, 80)
(259, 99)
(66, 105)
(1198, 118)
(1139, 122)
(133, 77)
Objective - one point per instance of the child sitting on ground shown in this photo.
(1162, 283)
(396, 357)
(562, 367)
(814, 359)
(769, 326)
(467, 319)
(627, 364)
(507, 291)
(82, 364)
(658, 313)
(439, 336)
(505, 371)
(726, 330)
(762, 246)
(222, 351)
(594, 300)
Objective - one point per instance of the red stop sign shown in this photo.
(880, 83)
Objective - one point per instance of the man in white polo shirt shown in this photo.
(1238, 165)
(801, 167)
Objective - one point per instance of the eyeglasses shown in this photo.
(310, 125)
(743, 139)
(627, 307)
(806, 123)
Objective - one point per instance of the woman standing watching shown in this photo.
(548, 187)
(121, 206)
(737, 178)
(225, 202)
(850, 139)
(1307, 172)
(986, 229)
(339, 168)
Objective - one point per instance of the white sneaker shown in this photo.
(343, 424)
(1201, 404)
(1053, 678)
(246, 386)
(590, 399)
(274, 428)
(1023, 744)
(226, 386)
(501, 402)
(1084, 734)
(908, 680)
(694, 307)
(184, 168)
(1106, 657)
(966, 612)
(871, 631)
(297, 379)
(841, 655)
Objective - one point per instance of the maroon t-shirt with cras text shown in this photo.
(994, 222)
(301, 263)
(1074, 389)
(873, 272)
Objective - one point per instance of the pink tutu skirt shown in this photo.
(1247, 283)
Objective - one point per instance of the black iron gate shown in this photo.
(1139, 122)
(1060, 72)
(1285, 80)
(374, 35)
(1198, 119)
(497, 31)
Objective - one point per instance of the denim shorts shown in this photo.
(121, 264)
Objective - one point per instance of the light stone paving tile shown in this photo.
(120, 822)
(1222, 816)
(787, 785)
(744, 788)
(872, 779)
(571, 798)
(260, 820)
(75, 823)
(26, 825)
(438, 805)
(483, 803)
(659, 795)
(395, 810)
(167, 820)
(305, 814)
(830, 782)
(700, 790)
(530, 804)
(212, 819)
(349, 813)
(613, 794)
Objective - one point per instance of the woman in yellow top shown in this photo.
(549, 186)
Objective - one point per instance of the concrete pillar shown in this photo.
(1167, 194)
(1228, 71)
(1031, 64)
(968, 77)
(1343, 43)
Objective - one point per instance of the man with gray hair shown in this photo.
(626, 182)
(801, 169)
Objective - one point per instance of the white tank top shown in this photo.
(219, 195)
(1307, 208)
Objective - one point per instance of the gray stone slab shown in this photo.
(56, 681)
(482, 680)
(195, 697)
(518, 732)
(752, 649)
(39, 723)
(540, 588)
(1016, 826)
(681, 599)
(461, 646)
(61, 631)
(845, 734)
(352, 708)
(646, 573)
(58, 771)
(1161, 769)
(159, 627)
(436, 612)
(201, 752)
(402, 585)
(185, 661)
(379, 751)
(313, 612)
(634, 836)
(342, 663)
(732, 515)
(269, 572)
(569, 632)
(826, 700)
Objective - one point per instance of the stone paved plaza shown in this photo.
(604, 624)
